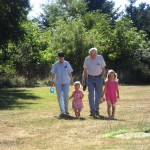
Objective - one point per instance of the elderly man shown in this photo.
(62, 73)
(94, 70)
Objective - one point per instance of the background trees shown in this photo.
(61, 10)
(74, 26)
(105, 7)
(126, 53)
(12, 13)
(139, 15)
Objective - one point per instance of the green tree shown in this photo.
(130, 9)
(12, 13)
(29, 53)
(28, 57)
(75, 39)
(126, 53)
(139, 15)
(61, 9)
(105, 7)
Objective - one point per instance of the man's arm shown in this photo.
(103, 72)
(71, 78)
(52, 79)
(84, 76)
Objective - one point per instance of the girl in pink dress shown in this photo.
(77, 96)
(111, 92)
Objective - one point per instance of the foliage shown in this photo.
(75, 39)
(127, 51)
(68, 26)
(29, 56)
(12, 13)
(61, 9)
(104, 6)
(139, 15)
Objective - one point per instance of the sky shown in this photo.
(36, 5)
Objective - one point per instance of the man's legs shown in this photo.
(98, 92)
(91, 94)
(59, 91)
(65, 96)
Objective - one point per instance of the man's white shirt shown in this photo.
(94, 66)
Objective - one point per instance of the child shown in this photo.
(77, 96)
(111, 92)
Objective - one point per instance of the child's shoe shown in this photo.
(67, 113)
(111, 118)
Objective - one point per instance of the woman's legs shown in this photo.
(65, 89)
(60, 98)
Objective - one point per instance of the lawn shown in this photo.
(29, 120)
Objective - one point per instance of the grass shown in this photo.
(29, 120)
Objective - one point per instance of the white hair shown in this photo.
(93, 49)
(77, 83)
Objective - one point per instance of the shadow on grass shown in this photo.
(9, 98)
(100, 117)
(69, 117)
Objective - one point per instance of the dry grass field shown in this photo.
(29, 121)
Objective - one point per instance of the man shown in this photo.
(94, 70)
(62, 74)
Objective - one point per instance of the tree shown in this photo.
(127, 52)
(61, 9)
(28, 57)
(76, 36)
(130, 9)
(139, 15)
(105, 6)
(12, 13)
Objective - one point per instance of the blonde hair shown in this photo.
(109, 72)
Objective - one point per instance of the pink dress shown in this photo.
(111, 91)
(77, 100)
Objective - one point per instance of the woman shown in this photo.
(62, 74)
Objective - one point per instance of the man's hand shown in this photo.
(52, 80)
(52, 83)
(102, 76)
(84, 77)
(71, 81)
(103, 73)
(83, 82)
